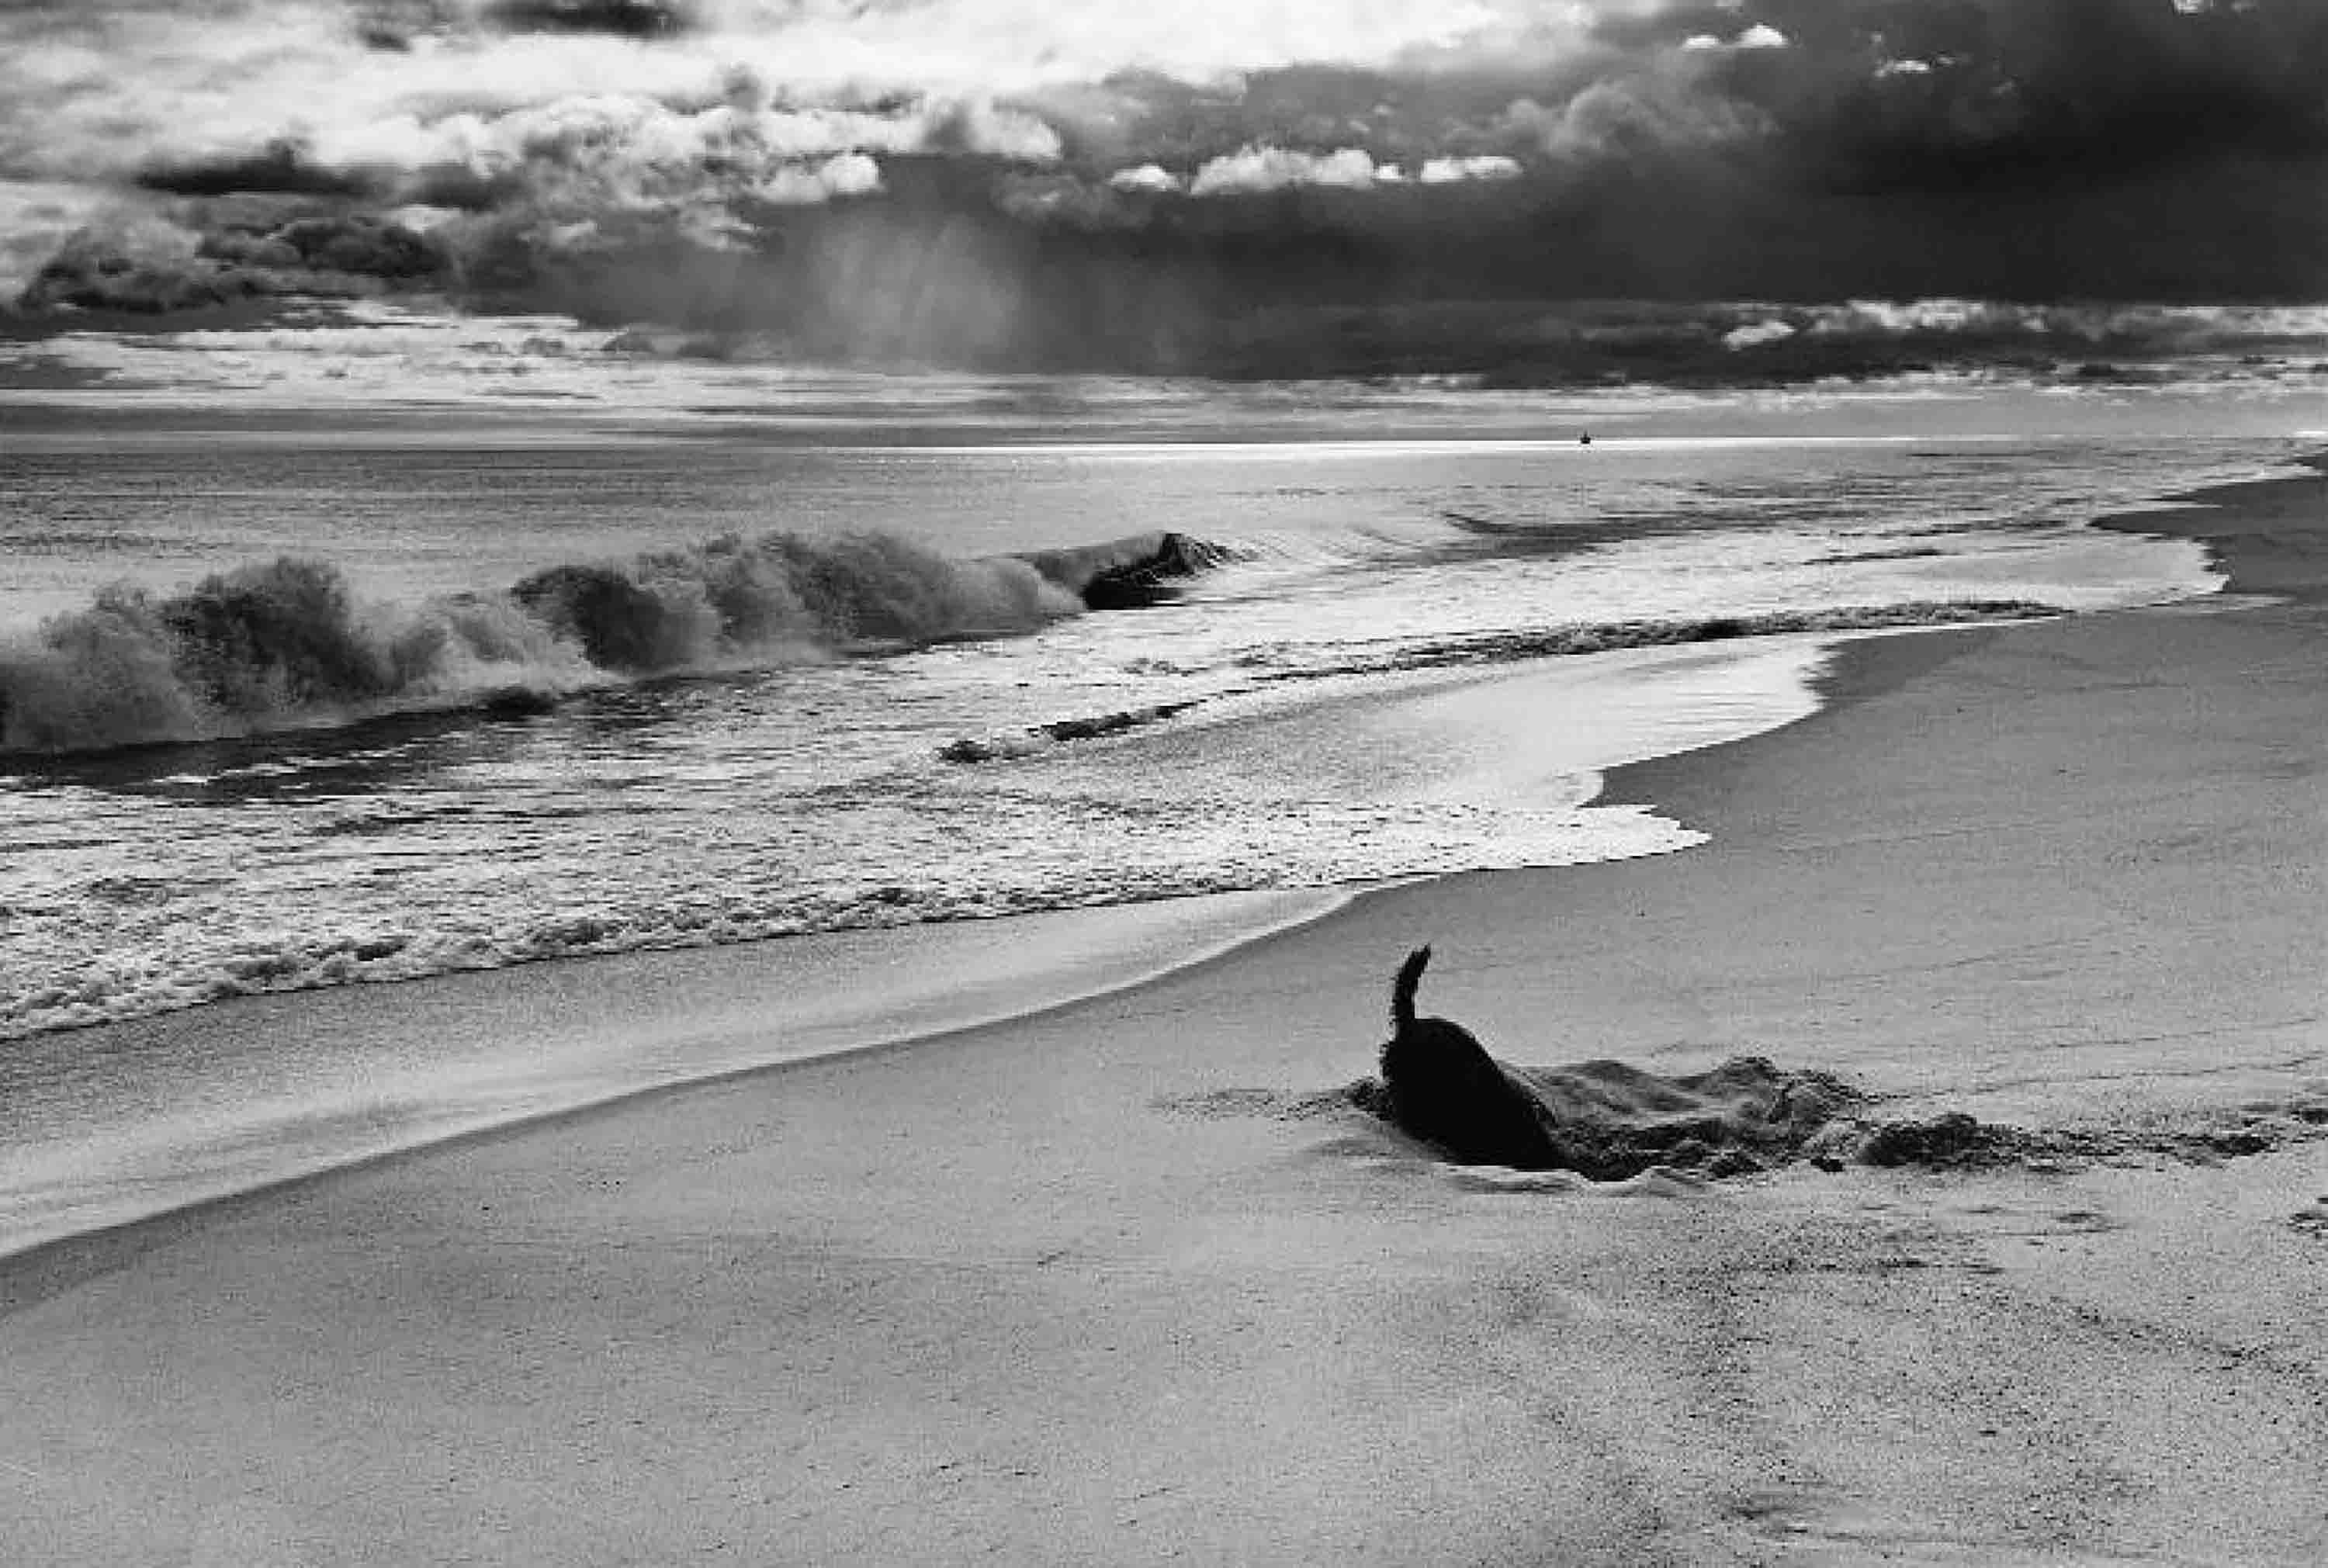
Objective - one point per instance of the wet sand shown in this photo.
(1094, 1286)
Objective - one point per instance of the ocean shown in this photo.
(306, 696)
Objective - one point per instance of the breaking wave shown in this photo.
(286, 644)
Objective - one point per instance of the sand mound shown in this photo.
(1607, 1121)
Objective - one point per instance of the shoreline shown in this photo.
(2244, 528)
(1076, 1287)
(2260, 532)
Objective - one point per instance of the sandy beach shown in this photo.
(1105, 1284)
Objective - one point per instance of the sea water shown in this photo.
(1411, 650)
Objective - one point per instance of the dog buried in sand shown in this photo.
(1443, 1087)
(1601, 1119)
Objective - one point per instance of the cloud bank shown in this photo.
(1267, 187)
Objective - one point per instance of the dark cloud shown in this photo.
(1979, 94)
(218, 253)
(285, 166)
(1002, 269)
(644, 19)
(1440, 208)
(397, 24)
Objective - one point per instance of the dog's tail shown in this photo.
(1402, 994)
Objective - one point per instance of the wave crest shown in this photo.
(286, 643)
(731, 599)
(260, 647)
(1128, 574)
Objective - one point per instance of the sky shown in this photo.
(1250, 187)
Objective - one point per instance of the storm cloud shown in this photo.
(1305, 186)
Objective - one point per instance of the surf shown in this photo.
(286, 644)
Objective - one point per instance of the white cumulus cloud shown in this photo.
(1481, 167)
(1256, 168)
(1146, 177)
(1762, 35)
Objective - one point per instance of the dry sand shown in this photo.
(1087, 1288)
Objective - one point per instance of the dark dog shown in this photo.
(1442, 1087)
